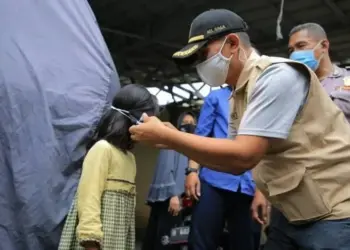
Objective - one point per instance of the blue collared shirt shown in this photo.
(213, 122)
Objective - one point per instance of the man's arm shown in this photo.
(225, 155)
(275, 102)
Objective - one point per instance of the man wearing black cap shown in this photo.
(284, 126)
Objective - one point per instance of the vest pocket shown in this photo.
(297, 196)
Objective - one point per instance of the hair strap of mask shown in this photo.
(223, 44)
(120, 110)
(318, 44)
(127, 114)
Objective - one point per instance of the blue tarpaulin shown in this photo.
(56, 79)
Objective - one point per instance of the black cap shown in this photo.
(208, 26)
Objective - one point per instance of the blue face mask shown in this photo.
(306, 57)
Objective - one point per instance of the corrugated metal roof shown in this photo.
(142, 35)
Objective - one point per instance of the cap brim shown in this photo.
(189, 50)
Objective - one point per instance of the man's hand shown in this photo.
(150, 131)
(169, 125)
(260, 208)
(174, 206)
(193, 186)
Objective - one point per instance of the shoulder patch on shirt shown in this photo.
(346, 83)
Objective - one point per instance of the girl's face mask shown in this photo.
(127, 114)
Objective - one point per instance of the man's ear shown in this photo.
(325, 44)
(234, 41)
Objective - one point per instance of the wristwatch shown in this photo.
(191, 170)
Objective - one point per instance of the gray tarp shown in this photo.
(56, 77)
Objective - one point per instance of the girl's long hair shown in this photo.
(114, 126)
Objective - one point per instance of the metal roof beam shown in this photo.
(182, 88)
(135, 36)
(162, 88)
(196, 91)
(339, 14)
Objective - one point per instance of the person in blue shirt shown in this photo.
(221, 197)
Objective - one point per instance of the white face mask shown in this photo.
(214, 70)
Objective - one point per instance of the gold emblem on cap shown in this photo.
(196, 39)
(346, 81)
(186, 52)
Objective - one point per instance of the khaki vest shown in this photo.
(306, 176)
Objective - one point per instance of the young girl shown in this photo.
(103, 214)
